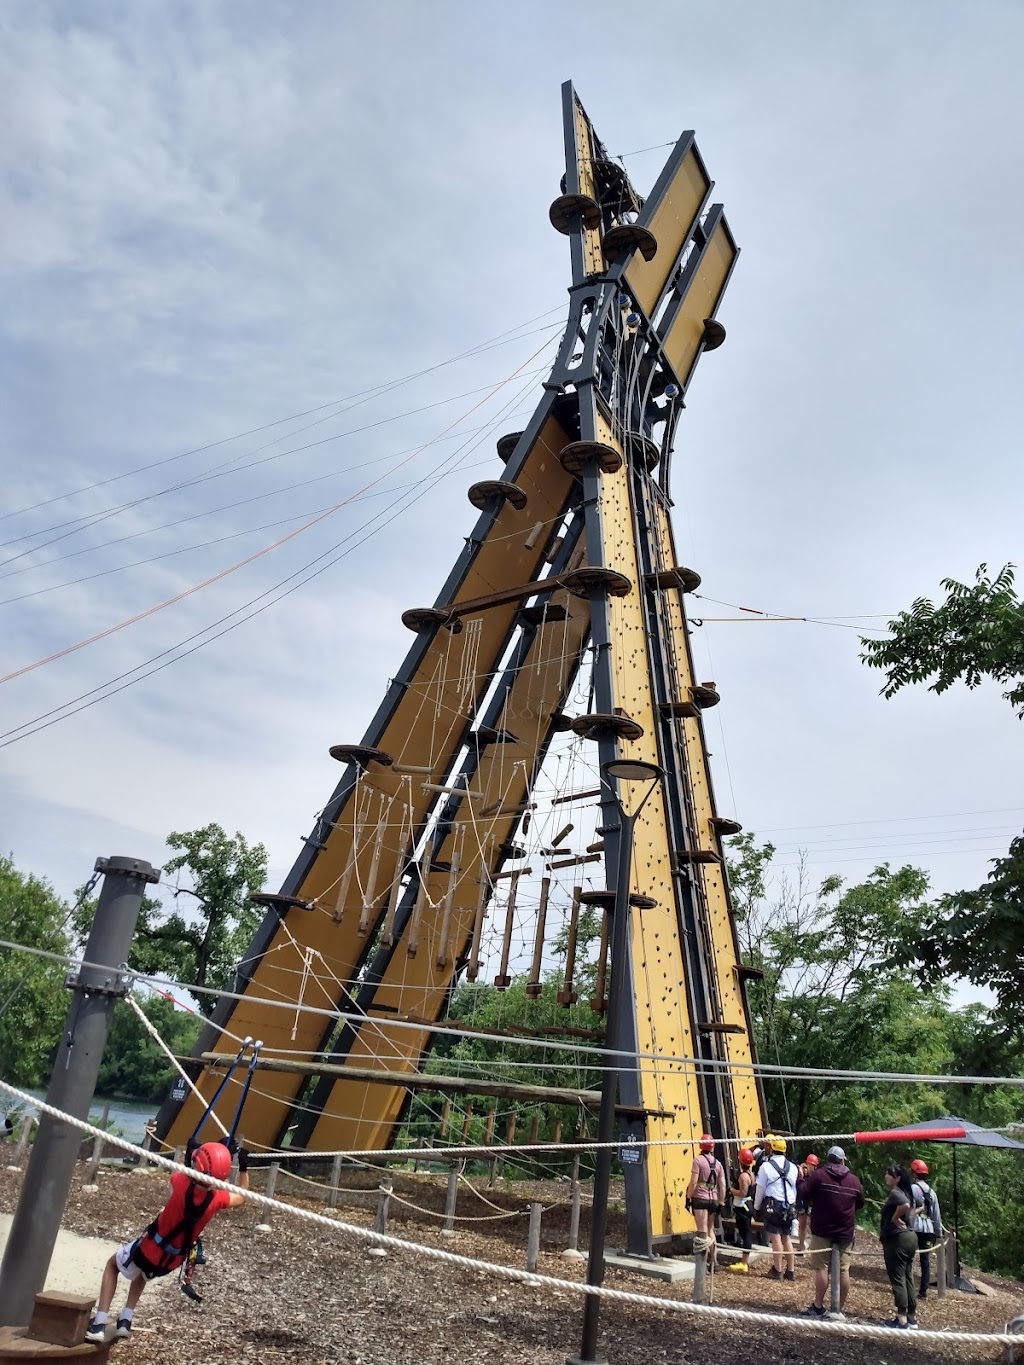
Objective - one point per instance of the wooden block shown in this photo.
(60, 1319)
(16, 1348)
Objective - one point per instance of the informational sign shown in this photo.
(631, 1153)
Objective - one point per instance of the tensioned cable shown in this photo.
(249, 559)
(224, 507)
(235, 467)
(896, 819)
(708, 1312)
(346, 1016)
(501, 339)
(43, 722)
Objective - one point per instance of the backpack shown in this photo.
(779, 1210)
(925, 1220)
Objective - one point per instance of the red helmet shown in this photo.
(919, 1167)
(746, 1156)
(810, 1159)
(213, 1158)
(707, 1143)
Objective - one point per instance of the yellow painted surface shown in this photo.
(592, 254)
(705, 290)
(423, 732)
(672, 223)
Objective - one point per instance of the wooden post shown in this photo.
(835, 1277)
(179, 1154)
(489, 1126)
(466, 1121)
(533, 1237)
(558, 1131)
(940, 1266)
(21, 1146)
(89, 1185)
(567, 996)
(473, 970)
(446, 918)
(332, 1193)
(700, 1273)
(510, 1134)
(534, 1131)
(446, 1110)
(412, 938)
(448, 1226)
(502, 980)
(270, 1190)
(533, 986)
(572, 1251)
(380, 1223)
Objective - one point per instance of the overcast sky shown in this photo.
(218, 216)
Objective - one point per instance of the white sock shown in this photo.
(99, 1317)
(126, 1314)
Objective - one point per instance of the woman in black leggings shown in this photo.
(899, 1246)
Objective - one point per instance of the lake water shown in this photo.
(126, 1116)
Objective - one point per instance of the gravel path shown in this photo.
(303, 1295)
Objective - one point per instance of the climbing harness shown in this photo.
(195, 1255)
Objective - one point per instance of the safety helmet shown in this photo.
(919, 1167)
(778, 1144)
(810, 1159)
(766, 1142)
(213, 1158)
(707, 1143)
(746, 1156)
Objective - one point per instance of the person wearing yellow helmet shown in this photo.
(775, 1200)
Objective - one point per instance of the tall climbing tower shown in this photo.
(422, 849)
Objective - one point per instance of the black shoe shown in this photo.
(123, 1330)
(922, 1294)
(813, 1312)
(912, 1324)
(900, 1326)
(774, 1274)
(789, 1275)
(96, 1331)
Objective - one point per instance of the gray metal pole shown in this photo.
(533, 1237)
(835, 1274)
(47, 1182)
(609, 1091)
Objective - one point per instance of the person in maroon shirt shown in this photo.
(834, 1195)
(165, 1244)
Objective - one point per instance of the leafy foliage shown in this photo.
(841, 990)
(133, 1067)
(202, 943)
(31, 913)
(976, 633)
(979, 935)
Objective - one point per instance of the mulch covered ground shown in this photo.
(306, 1294)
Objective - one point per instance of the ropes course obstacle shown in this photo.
(560, 631)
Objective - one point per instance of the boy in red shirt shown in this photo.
(165, 1244)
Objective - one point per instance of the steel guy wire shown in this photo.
(502, 339)
(708, 1312)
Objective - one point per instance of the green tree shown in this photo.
(979, 936)
(33, 996)
(133, 1067)
(201, 938)
(976, 633)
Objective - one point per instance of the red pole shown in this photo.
(911, 1135)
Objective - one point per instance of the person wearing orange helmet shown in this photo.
(806, 1169)
(166, 1242)
(743, 1208)
(705, 1194)
(926, 1220)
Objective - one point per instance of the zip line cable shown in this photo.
(43, 721)
(235, 467)
(501, 339)
(258, 554)
(219, 540)
(705, 1065)
(897, 819)
(224, 507)
(512, 1273)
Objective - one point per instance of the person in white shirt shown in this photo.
(775, 1200)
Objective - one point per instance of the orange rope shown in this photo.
(224, 573)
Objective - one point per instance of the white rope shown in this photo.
(704, 1064)
(866, 1330)
(150, 1028)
